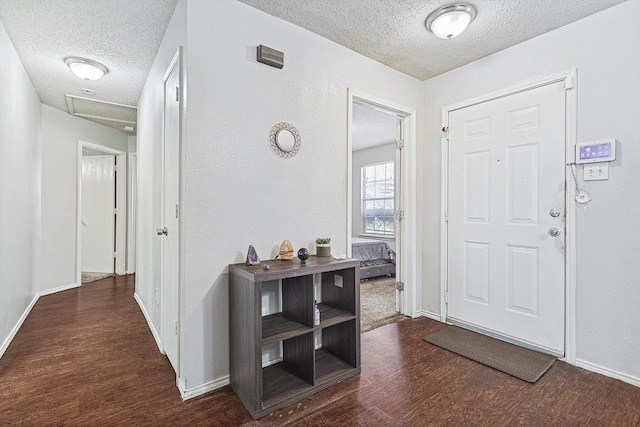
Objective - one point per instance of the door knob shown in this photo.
(554, 212)
(162, 231)
(553, 231)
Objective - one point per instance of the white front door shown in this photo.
(98, 218)
(170, 216)
(506, 190)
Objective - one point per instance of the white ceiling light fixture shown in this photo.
(450, 21)
(85, 68)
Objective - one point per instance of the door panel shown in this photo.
(98, 202)
(506, 171)
(170, 218)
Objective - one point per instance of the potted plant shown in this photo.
(323, 246)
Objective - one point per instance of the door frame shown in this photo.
(569, 77)
(408, 271)
(121, 202)
(176, 61)
(132, 195)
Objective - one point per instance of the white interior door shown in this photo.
(506, 197)
(98, 218)
(170, 215)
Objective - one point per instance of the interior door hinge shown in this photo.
(400, 144)
(400, 286)
(177, 94)
(445, 130)
(115, 168)
(568, 83)
(446, 297)
(399, 215)
(446, 215)
(176, 327)
(176, 211)
(115, 211)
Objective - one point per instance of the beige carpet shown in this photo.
(520, 362)
(378, 303)
(91, 277)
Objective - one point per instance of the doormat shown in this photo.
(520, 362)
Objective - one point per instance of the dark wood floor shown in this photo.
(86, 357)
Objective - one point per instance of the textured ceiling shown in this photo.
(124, 35)
(372, 127)
(393, 32)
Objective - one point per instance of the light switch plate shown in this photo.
(596, 171)
(337, 280)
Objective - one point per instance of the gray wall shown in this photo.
(20, 191)
(60, 135)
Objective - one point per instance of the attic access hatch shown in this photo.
(106, 113)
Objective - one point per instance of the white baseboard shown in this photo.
(190, 393)
(58, 289)
(155, 334)
(430, 315)
(17, 326)
(26, 312)
(608, 372)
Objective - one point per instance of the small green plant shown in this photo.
(323, 240)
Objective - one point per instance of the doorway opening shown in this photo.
(101, 212)
(379, 173)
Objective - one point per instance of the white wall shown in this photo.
(60, 135)
(369, 156)
(20, 163)
(149, 155)
(605, 48)
(236, 190)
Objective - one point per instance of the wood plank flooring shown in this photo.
(86, 357)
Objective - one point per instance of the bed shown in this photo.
(376, 257)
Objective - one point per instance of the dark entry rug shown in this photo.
(520, 362)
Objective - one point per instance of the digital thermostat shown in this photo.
(596, 151)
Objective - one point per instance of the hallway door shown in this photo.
(170, 247)
(98, 217)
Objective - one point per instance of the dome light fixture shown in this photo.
(450, 21)
(85, 68)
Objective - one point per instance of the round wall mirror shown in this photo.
(285, 140)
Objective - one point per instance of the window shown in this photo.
(378, 199)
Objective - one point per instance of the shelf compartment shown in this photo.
(279, 382)
(341, 340)
(345, 297)
(330, 315)
(278, 327)
(294, 374)
(329, 366)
